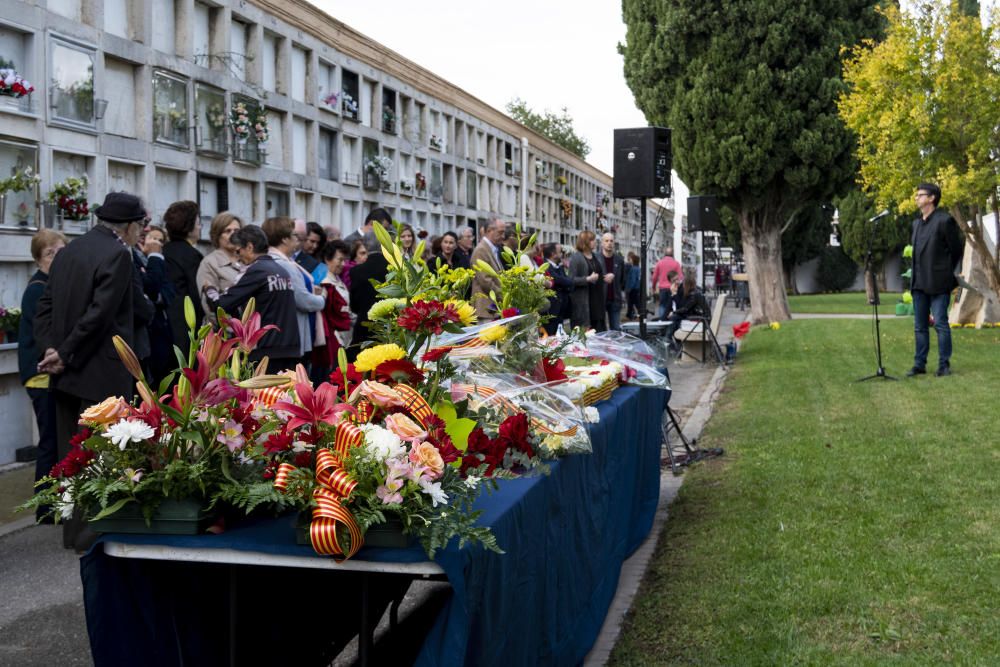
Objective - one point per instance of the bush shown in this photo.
(836, 271)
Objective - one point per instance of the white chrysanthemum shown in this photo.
(472, 481)
(434, 490)
(591, 415)
(66, 506)
(382, 443)
(127, 431)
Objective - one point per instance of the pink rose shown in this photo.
(379, 394)
(425, 454)
(405, 428)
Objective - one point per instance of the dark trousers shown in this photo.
(925, 305)
(44, 405)
(633, 303)
(76, 533)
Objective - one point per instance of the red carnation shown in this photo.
(398, 370)
(303, 459)
(428, 316)
(510, 312)
(278, 442)
(436, 353)
(354, 378)
(73, 463)
(513, 432)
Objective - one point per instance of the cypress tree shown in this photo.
(749, 88)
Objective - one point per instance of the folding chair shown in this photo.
(700, 332)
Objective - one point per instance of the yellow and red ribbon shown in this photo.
(334, 485)
(510, 407)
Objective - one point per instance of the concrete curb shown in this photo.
(634, 569)
(14, 526)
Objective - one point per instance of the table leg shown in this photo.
(365, 635)
(232, 615)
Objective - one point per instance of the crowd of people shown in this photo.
(131, 278)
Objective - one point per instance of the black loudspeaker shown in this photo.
(703, 214)
(642, 163)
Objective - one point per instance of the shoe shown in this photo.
(916, 370)
(943, 370)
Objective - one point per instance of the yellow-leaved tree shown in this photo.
(924, 106)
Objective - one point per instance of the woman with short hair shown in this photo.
(183, 223)
(44, 247)
(587, 297)
(221, 267)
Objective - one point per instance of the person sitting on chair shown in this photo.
(688, 301)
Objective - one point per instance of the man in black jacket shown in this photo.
(562, 285)
(362, 292)
(87, 301)
(937, 250)
(613, 265)
(272, 290)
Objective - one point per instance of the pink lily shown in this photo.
(217, 350)
(319, 406)
(249, 334)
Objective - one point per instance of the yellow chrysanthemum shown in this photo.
(775, 326)
(369, 359)
(493, 334)
(466, 313)
(384, 309)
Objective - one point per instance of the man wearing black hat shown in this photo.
(88, 300)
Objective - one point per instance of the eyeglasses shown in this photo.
(921, 194)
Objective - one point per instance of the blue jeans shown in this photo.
(925, 305)
(664, 308)
(614, 310)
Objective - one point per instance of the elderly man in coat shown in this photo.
(483, 283)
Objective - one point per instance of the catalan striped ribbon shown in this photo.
(416, 404)
(271, 395)
(511, 408)
(365, 410)
(471, 344)
(334, 485)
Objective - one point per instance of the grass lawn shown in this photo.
(842, 303)
(847, 524)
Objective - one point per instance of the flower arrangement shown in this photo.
(239, 121)
(215, 115)
(420, 182)
(71, 198)
(436, 142)
(566, 207)
(380, 165)
(20, 180)
(185, 444)
(10, 318)
(331, 99)
(13, 84)
(561, 180)
(388, 118)
(349, 104)
(260, 126)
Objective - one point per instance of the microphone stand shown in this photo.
(880, 371)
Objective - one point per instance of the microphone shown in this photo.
(879, 216)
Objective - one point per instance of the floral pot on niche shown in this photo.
(172, 517)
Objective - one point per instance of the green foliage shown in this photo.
(923, 106)
(854, 211)
(556, 128)
(749, 88)
(836, 271)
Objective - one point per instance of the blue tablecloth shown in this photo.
(542, 602)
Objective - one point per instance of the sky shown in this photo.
(550, 53)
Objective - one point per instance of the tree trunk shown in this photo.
(979, 269)
(762, 253)
(869, 285)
